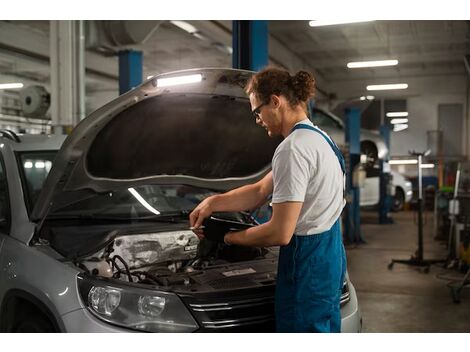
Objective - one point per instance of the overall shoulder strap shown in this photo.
(332, 144)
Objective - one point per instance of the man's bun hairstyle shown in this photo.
(303, 85)
(297, 89)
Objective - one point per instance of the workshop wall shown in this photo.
(423, 117)
(423, 96)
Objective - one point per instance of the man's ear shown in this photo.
(276, 101)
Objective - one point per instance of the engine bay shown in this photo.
(167, 256)
(179, 260)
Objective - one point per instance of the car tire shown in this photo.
(398, 200)
(33, 324)
(370, 150)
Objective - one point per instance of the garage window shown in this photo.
(34, 168)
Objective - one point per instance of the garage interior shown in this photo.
(423, 120)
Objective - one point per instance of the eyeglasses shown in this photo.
(257, 111)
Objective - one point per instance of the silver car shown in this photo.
(403, 191)
(372, 143)
(94, 229)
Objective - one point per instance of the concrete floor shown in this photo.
(403, 299)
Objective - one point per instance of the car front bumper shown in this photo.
(408, 194)
(351, 317)
(82, 320)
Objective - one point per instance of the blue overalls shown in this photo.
(310, 276)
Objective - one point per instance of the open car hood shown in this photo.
(200, 134)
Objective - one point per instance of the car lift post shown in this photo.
(353, 137)
(250, 45)
(385, 202)
(130, 70)
(250, 52)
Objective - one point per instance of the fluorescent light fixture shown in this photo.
(200, 36)
(11, 85)
(321, 23)
(397, 114)
(387, 86)
(185, 26)
(173, 81)
(398, 121)
(410, 162)
(39, 165)
(400, 127)
(28, 165)
(379, 63)
(143, 201)
(367, 97)
(403, 162)
(148, 77)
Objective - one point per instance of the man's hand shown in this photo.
(197, 216)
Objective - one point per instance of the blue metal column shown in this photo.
(353, 137)
(385, 202)
(130, 70)
(250, 52)
(250, 45)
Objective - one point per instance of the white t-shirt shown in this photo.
(306, 169)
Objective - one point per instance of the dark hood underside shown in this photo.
(203, 136)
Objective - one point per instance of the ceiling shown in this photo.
(423, 48)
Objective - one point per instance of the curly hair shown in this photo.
(297, 89)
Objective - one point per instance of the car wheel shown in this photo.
(398, 200)
(370, 150)
(33, 324)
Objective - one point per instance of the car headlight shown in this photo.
(135, 308)
(408, 184)
(104, 301)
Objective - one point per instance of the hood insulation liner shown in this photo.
(204, 136)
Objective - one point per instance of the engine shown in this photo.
(175, 258)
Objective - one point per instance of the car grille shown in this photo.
(345, 296)
(253, 313)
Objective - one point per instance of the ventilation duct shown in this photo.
(103, 35)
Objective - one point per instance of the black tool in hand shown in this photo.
(216, 228)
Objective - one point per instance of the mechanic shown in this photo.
(307, 185)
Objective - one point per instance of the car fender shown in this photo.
(38, 300)
(33, 271)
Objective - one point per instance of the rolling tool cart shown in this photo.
(459, 232)
(456, 287)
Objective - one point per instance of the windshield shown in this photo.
(139, 202)
(34, 168)
(128, 203)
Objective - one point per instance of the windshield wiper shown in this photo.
(169, 217)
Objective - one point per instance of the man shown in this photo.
(306, 182)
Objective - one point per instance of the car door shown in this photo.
(370, 192)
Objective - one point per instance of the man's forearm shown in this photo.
(278, 231)
(264, 235)
(243, 198)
